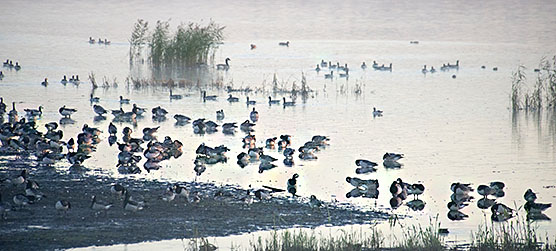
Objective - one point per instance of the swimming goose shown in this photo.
(323, 64)
(530, 196)
(175, 96)
(17, 67)
(287, 43)
(66, 112)
(211, 97)
(225, 66)
(363, 66)
(273, 101)
(329, 76)
(91, 40)
(7, 63)
(288, 103)
(220, 115)
(432, 70)
(377, 113)
(232, 99)
(34, 112)
(254, 115)
(124, 100)
(250, 102)
(93, 99)
(106, 41)
(318, 68)
(424, 70)
(459, 188)
(63, 205)
(346, 74)
(45, 82)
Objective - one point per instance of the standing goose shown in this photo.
(12, 115)
(93, 99)
(34, 112)
(2, 106)
(225, 66)
(66, 112)
(292, 184)
(254, 115)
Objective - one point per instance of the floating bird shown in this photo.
(288, 103)
(211, 97)
(175, 96)
(314, 202)
(377, 113)
(273, 101)
(232, 99)
(225, 66)
(287, 43)
(93, 99)
(124, 100)
(45, 82)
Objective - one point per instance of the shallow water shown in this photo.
(449, 129)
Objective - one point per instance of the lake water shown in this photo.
(449, 129)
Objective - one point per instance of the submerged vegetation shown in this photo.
(543, 91)
(192, 44)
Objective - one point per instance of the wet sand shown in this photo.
(41, 226)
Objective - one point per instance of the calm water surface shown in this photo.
(449, 129)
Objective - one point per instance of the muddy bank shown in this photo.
(40, 226)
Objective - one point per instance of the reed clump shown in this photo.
(192, 44)
(543, 92)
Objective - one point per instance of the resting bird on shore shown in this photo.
(117, 189)
(63, 205)
(130, 205)
(99, 206)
